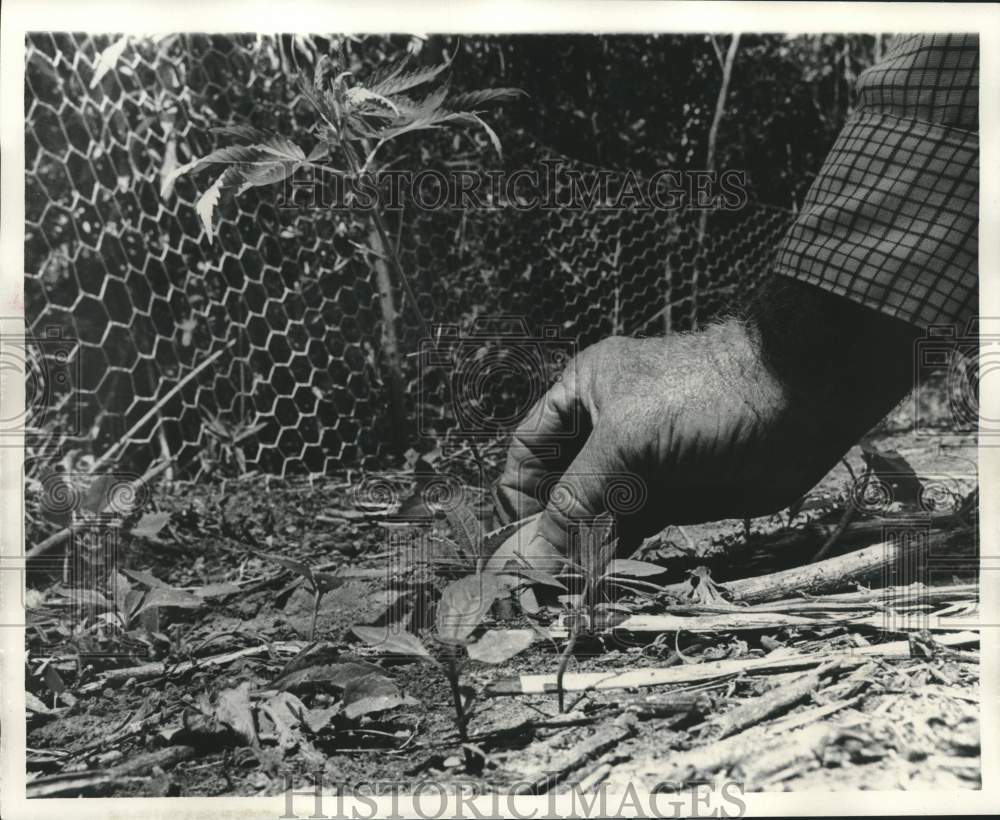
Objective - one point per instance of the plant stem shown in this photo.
(317, 595)
(461, 721)
(567, 653)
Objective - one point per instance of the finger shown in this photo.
(579, 495)
(546, 440)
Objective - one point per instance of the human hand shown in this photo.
(700, 425)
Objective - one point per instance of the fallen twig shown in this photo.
(658, 676)
(566, 760)
(767, 705)
(135, 769)
(159, 668)
(824, 576)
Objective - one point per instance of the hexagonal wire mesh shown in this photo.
(124, 272)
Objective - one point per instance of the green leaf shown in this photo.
(400, 81)
(633, 569)
(281, 148)
(241, 132)
(373, 693)
(107, 60)
(261, 175)
(536, 576)
(358, 96)
(206, 204)
(230, 155)
(470, 99)
(392, 640)
(499, 645)
(151, 523)
(463, 605)
(466, 527)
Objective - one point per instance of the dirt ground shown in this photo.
(197, 713)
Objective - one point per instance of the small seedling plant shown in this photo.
(598, 572)
(456, 639)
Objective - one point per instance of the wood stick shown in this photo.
(155, 670)
(660, 676)
(759, 709)
(740, 620)
(824, 576)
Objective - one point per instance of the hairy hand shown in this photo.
(685, 428)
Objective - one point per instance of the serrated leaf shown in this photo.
(229, 155)
(107, 60)
(258, 176)
(633, 569)
(466, 528)
(281, 148)
(470, 99)
(500, 645)
(205, 207)
(400, 81)
(359, 95)
(464, 603)
(392, 640)
(241, 132)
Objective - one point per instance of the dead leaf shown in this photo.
(335, 674)
(168, 597)
(146, 578)
(233, 709)
(150, 524)
(287, 713)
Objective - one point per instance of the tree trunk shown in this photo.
(390, 343)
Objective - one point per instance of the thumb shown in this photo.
(579, 495)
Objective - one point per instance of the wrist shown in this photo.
(840, 366)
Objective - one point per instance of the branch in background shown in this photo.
(720, 109)
(154, 411)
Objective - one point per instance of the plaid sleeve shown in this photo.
(892, 219)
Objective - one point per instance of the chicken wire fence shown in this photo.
(279, 318)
